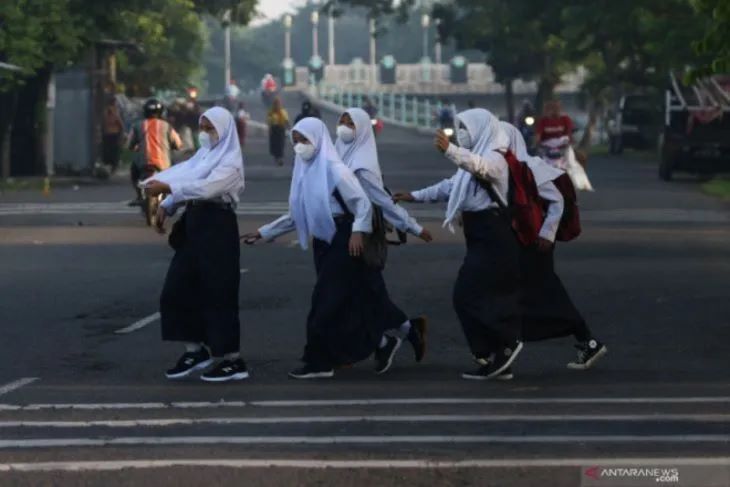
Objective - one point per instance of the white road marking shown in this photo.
(17, 384)
(506, 400)
(244, 271)
(113, 465)
(370, 402)
(356, 440)
(139, 324)
(424, 418)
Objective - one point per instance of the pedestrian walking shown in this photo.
(486, 292)
(547, 310)
(345, 323)
(357, 147)
(308, 111)
(242, 118)
(113, 128)
(199, 302)
(278, 121)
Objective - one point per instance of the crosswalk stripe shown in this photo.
(370, 402)
(423, 418)
(114, 465)
(355, 440)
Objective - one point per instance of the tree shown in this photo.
(715, 43)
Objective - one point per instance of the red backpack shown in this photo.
(527, 208)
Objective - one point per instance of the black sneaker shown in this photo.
(588, 354)
(497, 365)
(506, 373)
(227, 370)
(310, 372)
(384, 356)
(189, 363)
(417, 336)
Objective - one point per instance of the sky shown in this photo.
(272, 9)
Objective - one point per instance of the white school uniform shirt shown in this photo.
(483, 159)
(544, 175)
(211, 174)
(361, 156)
(312, 205)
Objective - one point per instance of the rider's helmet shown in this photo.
(153, 108)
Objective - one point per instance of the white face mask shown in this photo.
(305, 151)
(206, 141)
(463, 138)
(345, 133)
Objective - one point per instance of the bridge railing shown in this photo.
(394, 108)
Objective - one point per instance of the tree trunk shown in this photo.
(9, 102)
(509, 94)
(593, 111)
(545, 92)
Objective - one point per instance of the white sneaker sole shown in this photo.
(314, 375)
(200, 366)
(508, 363)
(600, 353)
(391, 358)
(505, 377)
(238, 376)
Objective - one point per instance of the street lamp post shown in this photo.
(287, 36)
(315, 34)
(331, 39)
(373, 53)
(425, 23)
(437, 49)
(227, 49)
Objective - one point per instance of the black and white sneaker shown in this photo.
(189, 363)
(588, 354)
(504, 376)
(496, 365)
(417, 336)
(226, 370)
(384, 356)
(310, 372)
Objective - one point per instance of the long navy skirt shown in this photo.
(349, 310)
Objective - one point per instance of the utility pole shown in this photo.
(331, 38)
(373, 53)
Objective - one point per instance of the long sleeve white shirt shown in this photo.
(550, 193)
(493, 169)
(224, 182)
(354, 197)
(395, 214)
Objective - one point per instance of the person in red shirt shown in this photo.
(553, 124)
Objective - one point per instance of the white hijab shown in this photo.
(313, 183)
(226, 152)
(487, 137)
(362, 153)
(542, 171)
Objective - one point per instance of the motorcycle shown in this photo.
(150, 204)
(377, 125)
(527, 129)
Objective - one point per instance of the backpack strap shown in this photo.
(341, 201)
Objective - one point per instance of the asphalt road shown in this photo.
(83, 400)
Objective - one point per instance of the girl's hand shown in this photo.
(161, 217)
(398, 197)
(441, 141)
(426, 236)
(544, 245)
(251, 238)
(156, 188)
(357, 244)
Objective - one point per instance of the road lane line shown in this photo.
(424, 418)
(113, 465)
(370, 402)
(139, 324)
(523, 400)
(17, 384)
(244, 271)
(356, 440)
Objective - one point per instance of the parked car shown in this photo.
(696, 137)
(637, 124)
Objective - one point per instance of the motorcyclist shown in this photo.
(154, 139)
(308, 111)
(553, 124)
